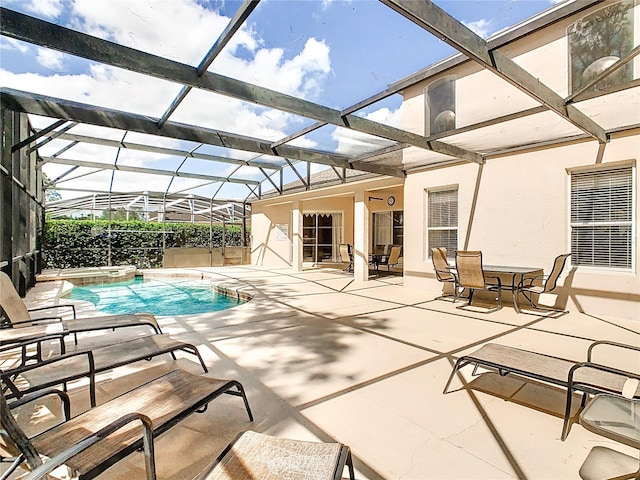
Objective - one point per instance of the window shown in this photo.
(597, 41)
(440, 105)
(601, 218)
(321, 236)
(442, 220)
(388, 228)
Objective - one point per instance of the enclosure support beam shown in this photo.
(37, 135)
(164, 150)
(234, 24)
(576, 96)
(46, 34)
(17, 100)
(152, 171)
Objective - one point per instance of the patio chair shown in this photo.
(471, 276)
(346, 256)
(587, 376)
(91, 442)
(60, 370)
(255, 455)
(443, 271)
(393, 258)
(19, 315)
(549, 282)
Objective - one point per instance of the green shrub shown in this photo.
(86, 243)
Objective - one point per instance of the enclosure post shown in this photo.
(109, 233)
(244, 224)
(211, 232)
(224, 242)
(164, 227)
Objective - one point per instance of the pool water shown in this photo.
(178, 297)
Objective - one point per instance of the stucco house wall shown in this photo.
(269, 214)
(516, 211)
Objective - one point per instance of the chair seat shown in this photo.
(257, 456)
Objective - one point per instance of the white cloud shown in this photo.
(50, 59)
(300, 76)
(181, 30)
(480, 27)
(7, 43)
(351, 142)
(46, 8)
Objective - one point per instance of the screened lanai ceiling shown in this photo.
(226, 100)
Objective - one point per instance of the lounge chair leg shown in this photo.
(567, 412)
(15, 464)
(461, 362)
(352, 474)
(197, 353)
(246, 402)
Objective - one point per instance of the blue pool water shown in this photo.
(178, 297)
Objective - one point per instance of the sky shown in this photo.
(332, 52)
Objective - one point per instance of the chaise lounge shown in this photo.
(19, 316)
(91, 442)
(580, 376)
(88, 363)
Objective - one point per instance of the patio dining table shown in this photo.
(516, 273)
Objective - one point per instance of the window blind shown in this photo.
(442, 220)
(601, 218)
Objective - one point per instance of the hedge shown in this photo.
(85, 243)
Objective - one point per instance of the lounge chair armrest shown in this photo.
(71, 306)
(7, 375)
(499, 282)
(64, 399)
(528, 281)
(33, 366)
(611, 344)
(447, 273)
(38, 320)
(43, 470)
(17, 343)
(596, 366)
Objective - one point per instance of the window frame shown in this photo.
(315, 244)
(427, 228)
(609, 166)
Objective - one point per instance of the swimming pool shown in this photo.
(175, 297)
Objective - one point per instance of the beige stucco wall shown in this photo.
(516, 210)
(266, 214)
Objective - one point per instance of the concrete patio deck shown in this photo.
(323, 358)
